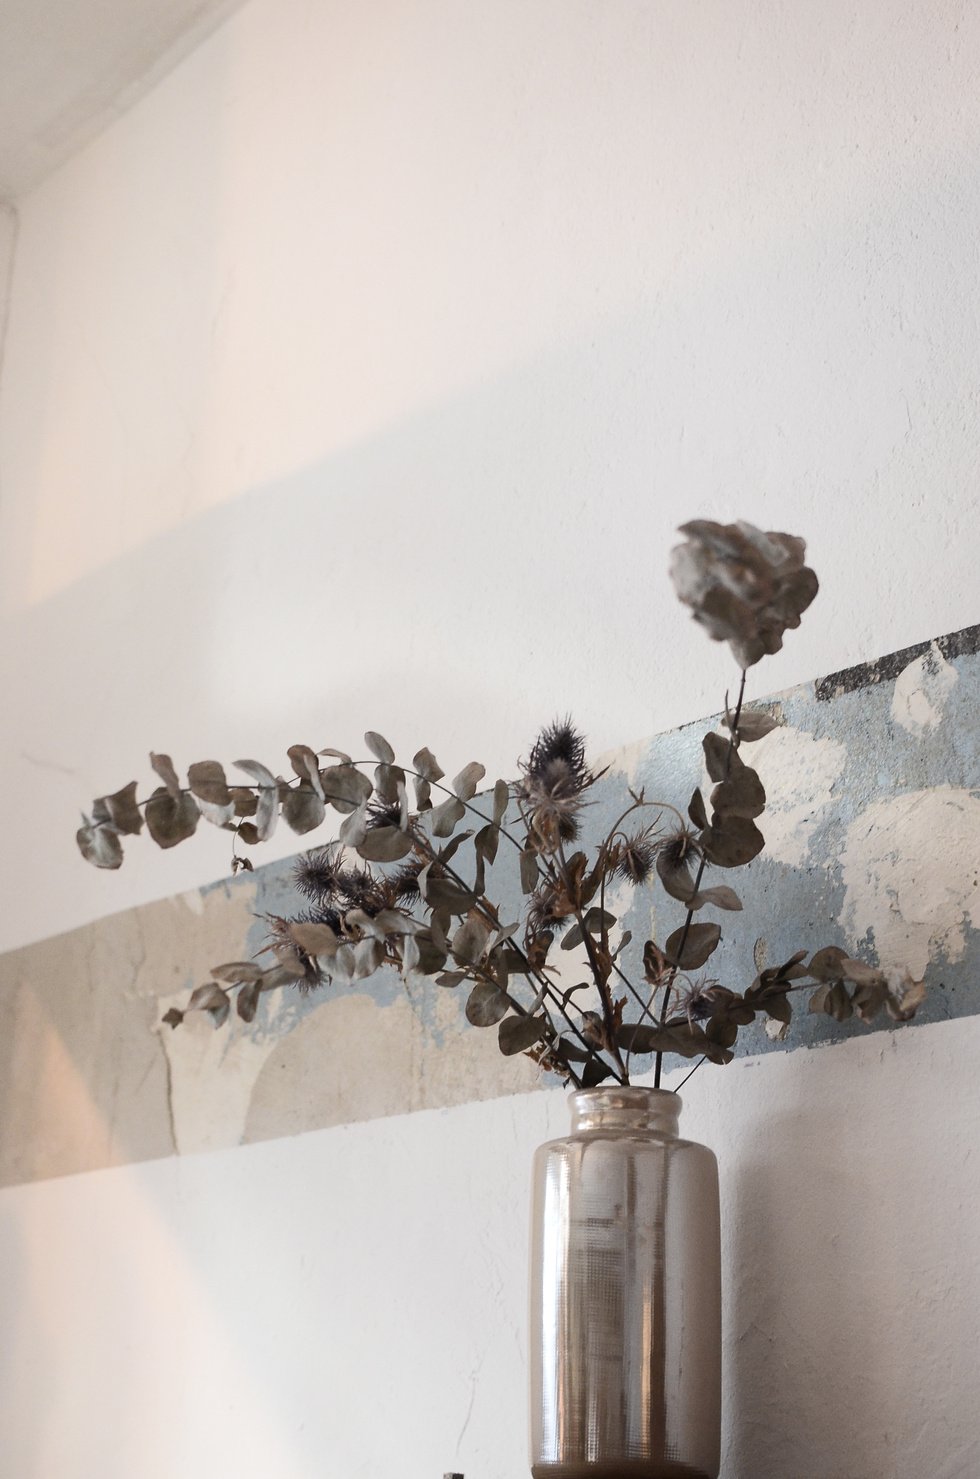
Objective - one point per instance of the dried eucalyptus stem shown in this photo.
(396, 890)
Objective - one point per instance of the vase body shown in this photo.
(625, 1295)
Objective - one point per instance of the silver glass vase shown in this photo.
(625, 1295)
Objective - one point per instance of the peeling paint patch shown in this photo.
(625, 761)
(799, 772)
(911, 867)
(866, 674)
(213, 1076)
(922, 691)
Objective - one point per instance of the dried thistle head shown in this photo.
(317, 874)
(402, 885)
(359, 888)
(677, 854)
(635, 857)
(555, 777)
(744, 586)
(549, 908)
(679, 848)
(699, 1000)
(384, 814)
(281, 943)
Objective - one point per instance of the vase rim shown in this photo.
(630, 1093)
(626, 1106)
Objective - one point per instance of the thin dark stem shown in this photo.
(732, 742)
(605, 995)
(530, 973)
(552, 875)
(690, 1075)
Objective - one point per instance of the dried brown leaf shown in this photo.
(529, 870)
(206, 779)
(696, 809)
(211, 998)
(303, 809)
(753, 724)
(237, 972)
(721, 896)
(99, 845)
(354, 827)
(307, 766)
(427, 765)
(690, 947)
(716, 755)
(345, 788)
(315, 939)
(742, 795)
(905, 994)
(170, 819)
(245, 802)
(517, 1034)
(164, 767)
(267, 809)
(470, 940)
(384, 845)
(486, 1005)
(486, 841)
(447, 816)
(468, 779)
(675, 874)
(247, 1001)
(655, 963)
(122, 810)
(368, 956)
(379, 747)
(732, 841)
(827, 964)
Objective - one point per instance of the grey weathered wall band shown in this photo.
(873, 839)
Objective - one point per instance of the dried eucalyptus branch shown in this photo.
(396, 890)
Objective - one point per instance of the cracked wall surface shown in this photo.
(873, 842)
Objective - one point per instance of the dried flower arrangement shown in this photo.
(397, 888)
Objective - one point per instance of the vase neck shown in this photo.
(645, 1110)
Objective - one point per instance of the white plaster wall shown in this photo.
(8, 237)
(351, 1303)
(359, 376)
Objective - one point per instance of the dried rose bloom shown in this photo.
(745, 587)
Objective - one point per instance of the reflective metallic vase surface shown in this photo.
(625, 1295)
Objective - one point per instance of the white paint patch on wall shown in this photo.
(921, 691)
(911, 868)
(625, 760)
(213, 1076)
(799, 772)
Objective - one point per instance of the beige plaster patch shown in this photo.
(353, 1059)
(922, 691)
(911, 868)
(798, 771)
(83, 1083)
